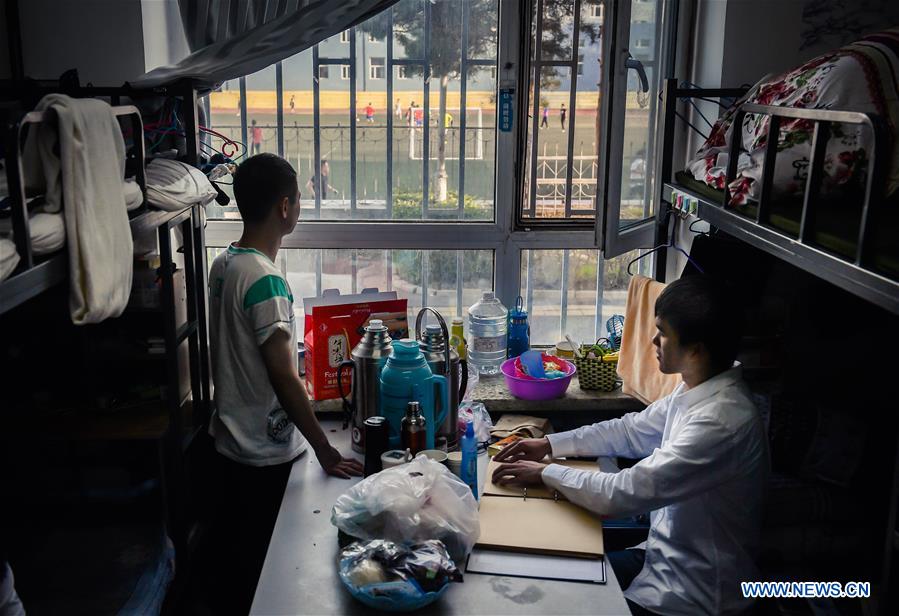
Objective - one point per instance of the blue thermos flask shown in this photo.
(407, 377)
(519, 330)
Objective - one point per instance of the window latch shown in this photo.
(633, 63)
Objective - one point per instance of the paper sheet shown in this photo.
(537, 566)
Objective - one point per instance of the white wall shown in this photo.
(108, 41)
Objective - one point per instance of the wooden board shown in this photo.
(533, 491)
(539, 526)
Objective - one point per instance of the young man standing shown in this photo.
(256, 134)
(262, 420)
(703, 470)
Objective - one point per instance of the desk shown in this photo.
(300, 571)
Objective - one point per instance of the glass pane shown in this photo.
(445, 60)
(406, 173)
(309, 271)
(637, 186)
(479, 143)
(224, 118)
(558, 29)
(262, 105)
(559, 288)
(552, 141)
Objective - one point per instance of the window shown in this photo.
(439, 207)
(376, 68)
(642, 43)
(345, 36)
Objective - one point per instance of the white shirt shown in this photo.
(249, 300)
(703, 477)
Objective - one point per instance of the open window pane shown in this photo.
(633, 191)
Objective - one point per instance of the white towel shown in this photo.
(48, 233)
(85, 177)
(173, 185)
(9, 258)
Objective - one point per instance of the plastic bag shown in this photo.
(477, 412)
(390, 576)
(412, 502)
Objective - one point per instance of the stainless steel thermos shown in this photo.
(443, 360)
(368, 359)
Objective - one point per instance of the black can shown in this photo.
(375, 443)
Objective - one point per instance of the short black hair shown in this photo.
(703, 310)
(260, 183)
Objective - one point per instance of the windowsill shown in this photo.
(495, 395)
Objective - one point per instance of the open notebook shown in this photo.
(538, 522)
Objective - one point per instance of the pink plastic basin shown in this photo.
(528, 389)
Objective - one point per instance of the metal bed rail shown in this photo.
(823, 119)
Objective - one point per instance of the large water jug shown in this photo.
(487, 327)
(407, 377)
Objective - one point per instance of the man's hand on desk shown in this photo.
(524, 473)
(336, 465)
(525, 449)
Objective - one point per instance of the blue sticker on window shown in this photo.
(505, 109)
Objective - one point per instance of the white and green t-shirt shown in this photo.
(249, 300)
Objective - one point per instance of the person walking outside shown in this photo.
(398, 109)
(292, 104)
(369, 113)
(544, 121)
(562, 114)
(257, 138)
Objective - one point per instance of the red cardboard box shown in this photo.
(334, 325)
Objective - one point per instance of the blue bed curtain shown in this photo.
(232, 38)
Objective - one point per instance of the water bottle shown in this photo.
(519, 330)
(488, 322)
(469, 472)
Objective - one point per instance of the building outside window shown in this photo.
(344, 71)
(345, 36)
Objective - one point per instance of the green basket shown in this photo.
(594, 374)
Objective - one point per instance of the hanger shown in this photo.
(670, 244)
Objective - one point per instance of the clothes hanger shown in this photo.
(670, 244)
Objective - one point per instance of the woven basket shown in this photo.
(594, 374)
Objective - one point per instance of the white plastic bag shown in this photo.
(412, 502)
(477, 412)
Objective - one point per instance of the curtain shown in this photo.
(234, 38)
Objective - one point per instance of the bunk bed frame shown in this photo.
(855, 275)
(174, 422)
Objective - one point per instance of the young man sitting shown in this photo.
(703, 470)
(262, 419)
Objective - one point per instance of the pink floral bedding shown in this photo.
(863, 76)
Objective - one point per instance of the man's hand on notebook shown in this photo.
(526, 449)
(524, 473)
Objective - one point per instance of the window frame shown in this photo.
(616, 239)
(503, 235)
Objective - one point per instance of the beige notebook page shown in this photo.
(533, 491)
(539, 526)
